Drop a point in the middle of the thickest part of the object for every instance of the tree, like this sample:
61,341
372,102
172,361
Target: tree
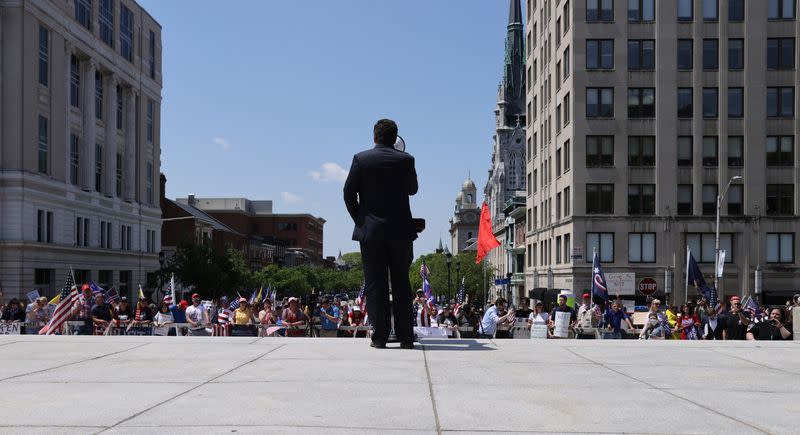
437,265
353,259
213,274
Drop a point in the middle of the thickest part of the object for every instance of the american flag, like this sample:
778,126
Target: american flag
426,286
112,295
170,292
460,297
362,298
235,302
752,306
63,311
599,285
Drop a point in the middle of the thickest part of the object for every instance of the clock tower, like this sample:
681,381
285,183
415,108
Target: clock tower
464,224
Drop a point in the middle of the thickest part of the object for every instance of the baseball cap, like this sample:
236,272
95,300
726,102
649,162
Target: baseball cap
123,299
85,287
196,296
242,300
184,304
292,299
586,295
735,299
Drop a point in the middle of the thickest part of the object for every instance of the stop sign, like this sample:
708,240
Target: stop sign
647,286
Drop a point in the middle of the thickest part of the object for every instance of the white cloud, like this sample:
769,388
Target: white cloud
223,143
330,172
291,198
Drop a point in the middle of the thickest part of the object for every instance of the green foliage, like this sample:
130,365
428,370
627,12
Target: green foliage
213,274
437,264
353,259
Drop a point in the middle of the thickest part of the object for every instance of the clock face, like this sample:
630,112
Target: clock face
470,218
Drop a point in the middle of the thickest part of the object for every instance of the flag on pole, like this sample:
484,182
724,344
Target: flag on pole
67,300
96,289
599,285
141,293
695,277
362,298
258,298
112,295
169,293
235,302
460,298
426,285
486,239
252,299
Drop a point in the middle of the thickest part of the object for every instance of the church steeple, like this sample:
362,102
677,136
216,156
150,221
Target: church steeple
513,88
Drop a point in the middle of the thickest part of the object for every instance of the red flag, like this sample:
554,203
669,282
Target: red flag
486,239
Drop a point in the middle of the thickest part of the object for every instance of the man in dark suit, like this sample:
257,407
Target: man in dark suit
376,195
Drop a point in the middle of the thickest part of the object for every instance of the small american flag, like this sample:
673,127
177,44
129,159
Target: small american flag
362,298
426,285
170,292
63,311
460,297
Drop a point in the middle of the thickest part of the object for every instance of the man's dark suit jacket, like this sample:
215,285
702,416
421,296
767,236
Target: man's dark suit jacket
376,194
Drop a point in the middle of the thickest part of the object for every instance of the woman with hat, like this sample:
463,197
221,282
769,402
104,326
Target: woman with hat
38,311
163,320
294,319
243,319
266,317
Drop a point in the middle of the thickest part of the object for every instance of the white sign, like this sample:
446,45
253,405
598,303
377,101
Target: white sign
33,295
721,263
561,324
9,328
538,331
622,283
577,252
426,332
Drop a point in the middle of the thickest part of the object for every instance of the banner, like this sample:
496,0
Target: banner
425,332
721,263
10,328
32,295
561,324
538,331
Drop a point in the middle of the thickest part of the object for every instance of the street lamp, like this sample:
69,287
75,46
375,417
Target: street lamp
448,259
716,239
458,272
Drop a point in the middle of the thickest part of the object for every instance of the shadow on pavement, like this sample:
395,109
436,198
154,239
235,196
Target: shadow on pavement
455,344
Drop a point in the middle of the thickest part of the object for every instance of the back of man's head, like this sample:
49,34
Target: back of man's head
385,132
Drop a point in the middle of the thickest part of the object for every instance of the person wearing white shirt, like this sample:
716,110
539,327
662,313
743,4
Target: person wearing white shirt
197,317
492,318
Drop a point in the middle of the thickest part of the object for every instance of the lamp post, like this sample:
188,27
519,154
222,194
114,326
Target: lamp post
508,286
449,259
716,239
458,272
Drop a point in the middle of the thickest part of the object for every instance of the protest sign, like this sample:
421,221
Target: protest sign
538,331
561,324
32,295
9,328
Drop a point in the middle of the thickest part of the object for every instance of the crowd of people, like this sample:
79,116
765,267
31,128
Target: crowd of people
326,316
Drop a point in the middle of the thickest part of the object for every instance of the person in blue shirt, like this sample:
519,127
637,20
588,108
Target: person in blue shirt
612,320
329,319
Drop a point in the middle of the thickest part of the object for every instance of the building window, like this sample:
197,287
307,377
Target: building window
42,279
119,175
558,162
642,247
150,183
599,54
780,53
74,82
98,95
566,109
780,151
685,102
599,11
126,32
125,238
98,167
599,151
83,13
710,151
604,243
710,102
567,202
710,199
43,144
566,63
44,56
119,107
558,249
558,205
685,10
106,19
711,54
780,199
780,247
74,158
150,115
151,58
105,235
641,150
685,153
599,102
566,155
735,102
44,226
685,54
710,10
703,247
685,195
641,103
529,253
641,11
735,54
641,199
599,199
781,9
558,119
735,10
565,14
780,102
735,200
567,256
735,150
641,54
82,232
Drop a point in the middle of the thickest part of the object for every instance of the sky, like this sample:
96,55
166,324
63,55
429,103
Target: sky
269,100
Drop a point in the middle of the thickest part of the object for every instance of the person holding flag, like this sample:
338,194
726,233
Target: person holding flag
64,308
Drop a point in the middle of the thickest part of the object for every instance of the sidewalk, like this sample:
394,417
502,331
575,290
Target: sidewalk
273,385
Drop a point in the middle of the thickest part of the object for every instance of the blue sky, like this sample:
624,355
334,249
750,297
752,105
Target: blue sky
270,99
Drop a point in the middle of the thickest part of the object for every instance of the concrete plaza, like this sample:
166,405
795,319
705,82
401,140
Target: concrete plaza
281,385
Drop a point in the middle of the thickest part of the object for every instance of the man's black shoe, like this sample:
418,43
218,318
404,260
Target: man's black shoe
407,345
377,345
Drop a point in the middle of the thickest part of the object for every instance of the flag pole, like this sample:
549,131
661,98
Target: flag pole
686,281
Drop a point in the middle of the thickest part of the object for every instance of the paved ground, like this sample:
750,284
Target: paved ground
272,385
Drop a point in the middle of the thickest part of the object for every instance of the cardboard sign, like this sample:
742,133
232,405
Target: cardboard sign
538,331
32,295
561,324
10,328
